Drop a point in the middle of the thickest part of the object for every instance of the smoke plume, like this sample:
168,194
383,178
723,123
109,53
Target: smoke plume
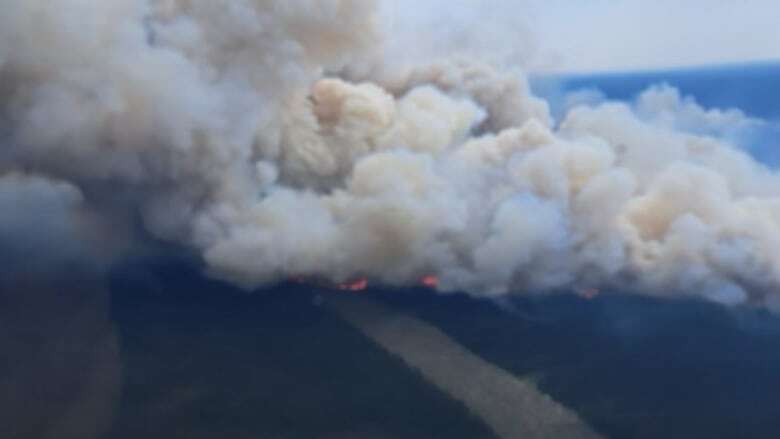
277,139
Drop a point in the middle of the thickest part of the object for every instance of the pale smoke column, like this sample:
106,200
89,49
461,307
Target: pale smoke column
233,128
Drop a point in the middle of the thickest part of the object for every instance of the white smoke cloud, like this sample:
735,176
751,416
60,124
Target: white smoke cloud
664,105
500,32
239,133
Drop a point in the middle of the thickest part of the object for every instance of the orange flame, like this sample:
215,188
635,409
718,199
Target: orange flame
355,287
430,281
588,293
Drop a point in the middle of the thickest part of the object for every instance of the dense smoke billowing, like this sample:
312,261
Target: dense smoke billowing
276,138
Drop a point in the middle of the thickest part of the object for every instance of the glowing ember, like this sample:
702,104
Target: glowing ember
430,281
355,287
588,293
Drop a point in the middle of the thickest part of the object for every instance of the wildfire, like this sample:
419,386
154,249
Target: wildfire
588,293
430,281
358,285
355,286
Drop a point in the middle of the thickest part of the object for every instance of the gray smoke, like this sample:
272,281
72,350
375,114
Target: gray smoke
278,139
